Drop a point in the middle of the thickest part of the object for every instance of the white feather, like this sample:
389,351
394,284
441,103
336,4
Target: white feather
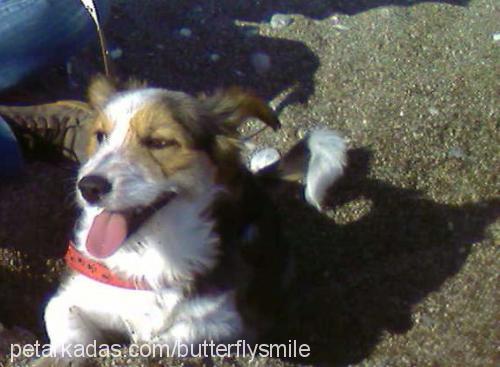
326,164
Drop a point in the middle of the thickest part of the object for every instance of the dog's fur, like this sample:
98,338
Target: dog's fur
209,245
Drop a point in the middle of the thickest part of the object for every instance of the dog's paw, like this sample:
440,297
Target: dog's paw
60,362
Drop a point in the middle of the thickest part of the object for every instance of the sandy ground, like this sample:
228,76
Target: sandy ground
403,269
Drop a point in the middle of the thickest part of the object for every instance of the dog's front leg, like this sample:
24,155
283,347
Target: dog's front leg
70,330
207,319
60,362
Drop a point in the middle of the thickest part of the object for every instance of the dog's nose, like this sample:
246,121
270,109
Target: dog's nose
94,187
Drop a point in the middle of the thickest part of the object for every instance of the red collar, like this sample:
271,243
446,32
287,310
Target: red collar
98,271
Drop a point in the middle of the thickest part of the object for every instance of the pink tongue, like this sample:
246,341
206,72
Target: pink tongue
107,233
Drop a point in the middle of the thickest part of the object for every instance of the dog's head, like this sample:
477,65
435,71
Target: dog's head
151,145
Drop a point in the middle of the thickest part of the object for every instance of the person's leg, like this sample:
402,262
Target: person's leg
10,155
36,33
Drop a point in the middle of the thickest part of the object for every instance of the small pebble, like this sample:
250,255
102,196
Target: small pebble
69,68
281,21
301,133
116,53
263,158
251,32
335,20
340,27
185,32
456,152
428,321
261,62
433,111
214,57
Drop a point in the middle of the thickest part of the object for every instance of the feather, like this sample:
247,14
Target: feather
326,164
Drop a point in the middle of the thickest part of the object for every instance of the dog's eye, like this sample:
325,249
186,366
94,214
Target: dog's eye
158,143
100,136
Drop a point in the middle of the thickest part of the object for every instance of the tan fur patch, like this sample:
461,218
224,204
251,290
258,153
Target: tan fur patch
100,125
155,124
100,90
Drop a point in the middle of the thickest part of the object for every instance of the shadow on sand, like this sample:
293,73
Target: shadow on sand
357,279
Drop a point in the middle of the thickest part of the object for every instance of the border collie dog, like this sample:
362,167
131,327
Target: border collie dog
177,240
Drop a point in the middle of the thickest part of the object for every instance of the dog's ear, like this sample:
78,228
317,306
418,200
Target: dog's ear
234,106
64,125
100,91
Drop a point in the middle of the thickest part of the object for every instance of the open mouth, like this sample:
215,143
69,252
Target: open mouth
110,229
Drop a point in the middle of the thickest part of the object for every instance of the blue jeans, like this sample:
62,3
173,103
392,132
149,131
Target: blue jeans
34,34
10,156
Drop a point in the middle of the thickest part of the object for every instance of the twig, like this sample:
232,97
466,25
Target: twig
91,8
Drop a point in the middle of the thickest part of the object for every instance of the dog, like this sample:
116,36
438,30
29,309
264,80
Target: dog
177,240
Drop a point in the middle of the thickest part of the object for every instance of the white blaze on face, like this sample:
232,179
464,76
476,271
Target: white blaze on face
122,109
108,159
109,228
